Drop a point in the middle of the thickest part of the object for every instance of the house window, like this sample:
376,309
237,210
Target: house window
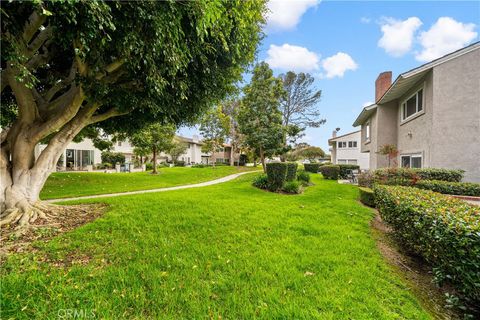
367,131
341,161
352,161
352,144
341,144
411,161
119,143
219,160
413,105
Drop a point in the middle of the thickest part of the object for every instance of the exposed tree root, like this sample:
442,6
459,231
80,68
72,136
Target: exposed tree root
41,222
23,217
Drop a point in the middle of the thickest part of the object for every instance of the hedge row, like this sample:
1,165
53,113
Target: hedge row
367,196
330,172
443,230
445,187
311,167
391,175
291,171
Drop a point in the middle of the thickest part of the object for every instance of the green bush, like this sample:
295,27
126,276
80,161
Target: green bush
199,165
291,171
457,188
367,196
440,174
344,168
366,179
330,172
260,181
294,187
311,167
445,231
277,174
303,177
113,157
406,176
179,163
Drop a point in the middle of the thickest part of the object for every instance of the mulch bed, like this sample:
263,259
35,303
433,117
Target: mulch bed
68,218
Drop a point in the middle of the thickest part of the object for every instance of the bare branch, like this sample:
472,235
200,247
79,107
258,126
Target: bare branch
61,84
32,25
112,67
39,40
113,112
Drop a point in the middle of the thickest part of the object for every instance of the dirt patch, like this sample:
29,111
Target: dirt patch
413,270
68,218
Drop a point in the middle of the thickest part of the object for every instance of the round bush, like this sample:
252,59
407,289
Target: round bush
293,187
303,177
260,181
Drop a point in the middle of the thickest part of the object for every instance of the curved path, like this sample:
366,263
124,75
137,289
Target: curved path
185,186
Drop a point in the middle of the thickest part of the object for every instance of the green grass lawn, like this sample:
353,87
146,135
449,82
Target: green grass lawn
227,250
75,184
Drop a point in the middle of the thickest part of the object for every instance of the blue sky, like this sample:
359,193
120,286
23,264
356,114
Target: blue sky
346,44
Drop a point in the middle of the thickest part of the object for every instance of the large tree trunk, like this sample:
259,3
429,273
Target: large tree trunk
23,176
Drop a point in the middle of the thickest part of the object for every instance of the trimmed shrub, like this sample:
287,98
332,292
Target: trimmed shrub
366,179
149,166
113,157
344,169
395,176
367,196
457,188
291,171
440,174
303,177
260,181
293,187
330,172
311,167
276,174
199,165
445,231
179,163
406,176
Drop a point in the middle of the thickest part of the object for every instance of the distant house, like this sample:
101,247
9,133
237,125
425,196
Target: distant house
345,149
430,113
83,155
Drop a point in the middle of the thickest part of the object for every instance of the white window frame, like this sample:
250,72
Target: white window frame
353,143
417,112
412,155
341,143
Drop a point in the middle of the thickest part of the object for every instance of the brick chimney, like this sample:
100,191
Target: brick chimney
383,82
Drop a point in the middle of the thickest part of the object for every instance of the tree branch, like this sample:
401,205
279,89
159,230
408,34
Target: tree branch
113,112
112,67
32,25
37,43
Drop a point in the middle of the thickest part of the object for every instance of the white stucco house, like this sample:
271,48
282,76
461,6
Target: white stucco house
345,149
83,155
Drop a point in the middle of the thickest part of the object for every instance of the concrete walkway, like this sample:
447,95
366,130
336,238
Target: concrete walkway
186,186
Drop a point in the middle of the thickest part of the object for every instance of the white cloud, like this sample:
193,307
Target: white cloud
446,35
365,20
295,58
398,35
338,64
286,14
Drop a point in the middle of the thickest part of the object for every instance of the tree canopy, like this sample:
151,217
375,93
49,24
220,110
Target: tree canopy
114,65
214,127
260,119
